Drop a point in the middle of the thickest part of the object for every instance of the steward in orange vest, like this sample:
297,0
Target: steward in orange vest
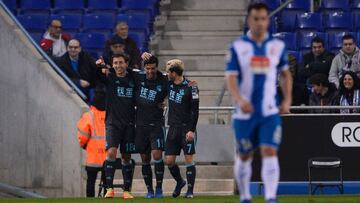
91,135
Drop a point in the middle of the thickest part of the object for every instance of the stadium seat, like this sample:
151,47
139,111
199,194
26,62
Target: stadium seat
287,20
330,6
272,4
11,5
69,7
356,18
70,23
36,36
35,7
338,21
101,6
297,55
335,40
122,17
355,6
93,41
289,38
34,23
139,22
303,5
309,21
144,5
139,38
304,39
98,23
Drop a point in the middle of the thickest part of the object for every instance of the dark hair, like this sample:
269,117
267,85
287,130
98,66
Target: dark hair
152,60
125,57
257,6
354,77
348,36
319,79
177,69
317,40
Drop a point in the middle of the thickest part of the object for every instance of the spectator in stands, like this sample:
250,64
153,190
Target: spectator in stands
349,93
54,41
122,30
78,66
117,46
347,60
91,136
317,61
324,93
300,92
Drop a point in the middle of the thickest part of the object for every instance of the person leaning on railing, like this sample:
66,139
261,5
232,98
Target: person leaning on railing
349,93
323,93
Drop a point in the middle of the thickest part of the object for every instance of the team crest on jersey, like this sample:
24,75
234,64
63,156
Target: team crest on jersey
260,64
182,92
158,88
142,84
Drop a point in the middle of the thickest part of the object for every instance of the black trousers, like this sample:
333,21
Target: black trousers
91,179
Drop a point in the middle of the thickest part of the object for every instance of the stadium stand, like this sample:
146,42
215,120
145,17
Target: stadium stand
35,7
68,7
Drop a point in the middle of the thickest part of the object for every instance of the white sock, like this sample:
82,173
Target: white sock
242,172
270,174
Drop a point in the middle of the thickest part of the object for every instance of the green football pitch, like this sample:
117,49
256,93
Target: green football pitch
203,199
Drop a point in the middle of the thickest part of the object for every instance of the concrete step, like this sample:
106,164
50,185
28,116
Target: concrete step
208,5
202,186
209,117
179,13
198,63
202,172
202,34
202,43
209,83
204,25
209,18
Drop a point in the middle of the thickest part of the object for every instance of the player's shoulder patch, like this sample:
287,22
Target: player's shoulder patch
195,92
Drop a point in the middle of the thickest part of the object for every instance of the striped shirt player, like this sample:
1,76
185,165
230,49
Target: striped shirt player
254,63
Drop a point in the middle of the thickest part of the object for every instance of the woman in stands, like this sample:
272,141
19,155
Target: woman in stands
349,93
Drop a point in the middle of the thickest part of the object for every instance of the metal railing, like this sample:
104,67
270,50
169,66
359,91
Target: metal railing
43,54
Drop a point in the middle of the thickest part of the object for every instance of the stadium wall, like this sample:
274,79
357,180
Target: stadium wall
39,111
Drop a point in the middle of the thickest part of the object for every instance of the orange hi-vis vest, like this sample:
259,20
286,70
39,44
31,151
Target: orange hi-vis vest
91,134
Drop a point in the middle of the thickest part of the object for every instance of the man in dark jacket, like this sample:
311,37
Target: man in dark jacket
78,66
324,93
317,61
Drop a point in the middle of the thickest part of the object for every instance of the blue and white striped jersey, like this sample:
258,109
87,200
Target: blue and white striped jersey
257,66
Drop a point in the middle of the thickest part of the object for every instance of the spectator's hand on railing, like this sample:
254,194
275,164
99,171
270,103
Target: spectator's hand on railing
84,83
145,56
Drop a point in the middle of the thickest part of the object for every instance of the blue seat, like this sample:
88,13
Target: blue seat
356,18
98,23
122,17
287,20
36,36
297,55
35,7
303,5
139,38
330,6
139,22
34,23
304,39
272,4
70,23
309,21
11,5
355,6
93,41
69,7
338,21
289,38
335,40
144,5
101,6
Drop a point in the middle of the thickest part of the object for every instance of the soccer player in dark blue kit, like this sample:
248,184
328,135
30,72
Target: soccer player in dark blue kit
182,120
151,91
120,121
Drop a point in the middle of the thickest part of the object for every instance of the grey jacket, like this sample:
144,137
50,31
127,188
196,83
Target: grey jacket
342,63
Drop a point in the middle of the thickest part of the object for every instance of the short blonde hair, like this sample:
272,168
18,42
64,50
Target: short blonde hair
174,62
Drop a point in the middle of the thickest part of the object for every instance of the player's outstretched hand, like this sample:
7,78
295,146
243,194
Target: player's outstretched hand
246,106
100,62
84,83
189,136
146,56
285,107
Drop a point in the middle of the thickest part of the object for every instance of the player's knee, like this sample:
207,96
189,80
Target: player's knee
268,151
126,158
145,158
189,159
169,162
111,153
157,154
